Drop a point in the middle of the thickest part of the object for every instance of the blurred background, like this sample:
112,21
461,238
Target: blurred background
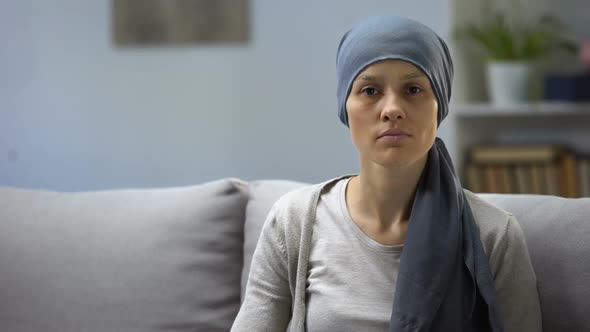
86,104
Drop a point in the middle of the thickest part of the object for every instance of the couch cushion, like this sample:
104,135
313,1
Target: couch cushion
125,260
262,195
557,232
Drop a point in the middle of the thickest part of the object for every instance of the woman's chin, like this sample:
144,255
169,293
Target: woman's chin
396,159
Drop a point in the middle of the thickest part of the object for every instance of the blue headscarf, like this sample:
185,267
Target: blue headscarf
398,38
444,280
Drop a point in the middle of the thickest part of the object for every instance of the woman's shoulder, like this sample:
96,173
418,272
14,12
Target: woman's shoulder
297,206
291,216
493,222
485,210
303,198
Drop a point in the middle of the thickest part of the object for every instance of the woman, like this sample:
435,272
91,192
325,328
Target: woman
401,246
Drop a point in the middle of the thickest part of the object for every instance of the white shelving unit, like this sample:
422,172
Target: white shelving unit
519,110
567,124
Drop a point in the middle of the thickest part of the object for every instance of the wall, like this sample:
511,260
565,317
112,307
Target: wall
78,114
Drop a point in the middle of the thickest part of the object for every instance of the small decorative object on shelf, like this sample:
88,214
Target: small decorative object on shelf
573,86
512,46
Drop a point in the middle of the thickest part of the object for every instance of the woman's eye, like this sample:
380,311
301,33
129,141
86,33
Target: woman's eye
369,91
414,90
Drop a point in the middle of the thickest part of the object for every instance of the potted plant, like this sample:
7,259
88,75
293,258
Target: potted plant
512,48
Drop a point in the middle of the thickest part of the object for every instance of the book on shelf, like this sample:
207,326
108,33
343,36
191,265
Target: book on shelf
501,154
569,176
552,179
537,183
527,169
523,182
584,176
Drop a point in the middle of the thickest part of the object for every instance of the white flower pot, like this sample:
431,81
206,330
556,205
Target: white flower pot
509,82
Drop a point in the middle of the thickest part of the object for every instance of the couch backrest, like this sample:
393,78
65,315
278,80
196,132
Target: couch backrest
178,258
557,231
124,260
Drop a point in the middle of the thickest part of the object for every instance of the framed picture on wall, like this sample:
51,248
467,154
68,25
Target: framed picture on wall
179,22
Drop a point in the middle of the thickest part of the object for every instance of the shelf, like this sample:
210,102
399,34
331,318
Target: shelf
544,109
556,123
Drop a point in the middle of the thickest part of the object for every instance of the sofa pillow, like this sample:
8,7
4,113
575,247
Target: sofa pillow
262,195
122,260
557,231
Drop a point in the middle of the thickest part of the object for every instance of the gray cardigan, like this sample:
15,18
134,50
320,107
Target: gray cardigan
275,294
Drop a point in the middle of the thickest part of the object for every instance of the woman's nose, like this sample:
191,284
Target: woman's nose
393,108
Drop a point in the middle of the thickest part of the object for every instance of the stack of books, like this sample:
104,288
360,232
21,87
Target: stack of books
535,169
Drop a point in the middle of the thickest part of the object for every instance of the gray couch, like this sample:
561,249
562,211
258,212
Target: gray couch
175,259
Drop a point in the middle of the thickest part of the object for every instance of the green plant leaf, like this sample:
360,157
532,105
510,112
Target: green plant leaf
505,41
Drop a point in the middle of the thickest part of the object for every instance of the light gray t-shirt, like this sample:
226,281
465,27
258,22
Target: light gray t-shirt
351,278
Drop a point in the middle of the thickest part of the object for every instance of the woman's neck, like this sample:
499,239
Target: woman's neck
384,195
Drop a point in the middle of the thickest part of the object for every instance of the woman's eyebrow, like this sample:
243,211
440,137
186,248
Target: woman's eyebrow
371,78
412,75
368,78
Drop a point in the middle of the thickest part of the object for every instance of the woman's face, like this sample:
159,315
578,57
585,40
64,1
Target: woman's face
392,113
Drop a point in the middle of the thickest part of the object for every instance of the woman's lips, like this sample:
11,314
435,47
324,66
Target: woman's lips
393,136
394,139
